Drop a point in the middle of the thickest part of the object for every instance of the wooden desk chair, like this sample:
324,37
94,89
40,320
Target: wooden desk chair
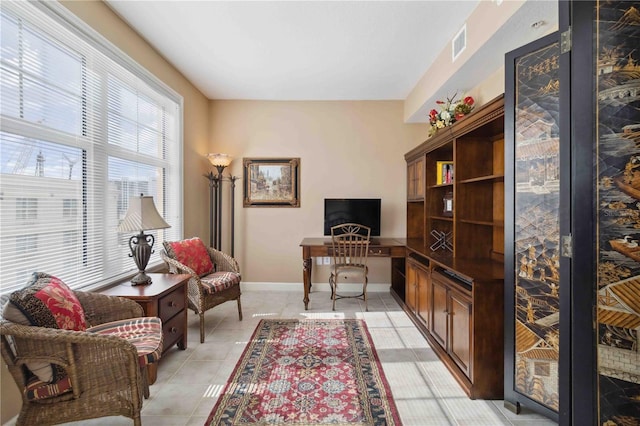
350,247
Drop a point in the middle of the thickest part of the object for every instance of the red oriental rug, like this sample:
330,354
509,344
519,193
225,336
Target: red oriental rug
307,372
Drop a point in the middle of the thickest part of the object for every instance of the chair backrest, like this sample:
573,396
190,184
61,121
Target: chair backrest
192,253
350,244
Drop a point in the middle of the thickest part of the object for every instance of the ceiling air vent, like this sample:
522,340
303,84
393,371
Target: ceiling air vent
459,43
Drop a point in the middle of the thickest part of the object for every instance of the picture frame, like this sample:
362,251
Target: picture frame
271,182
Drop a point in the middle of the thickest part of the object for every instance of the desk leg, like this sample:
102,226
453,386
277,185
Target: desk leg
306,276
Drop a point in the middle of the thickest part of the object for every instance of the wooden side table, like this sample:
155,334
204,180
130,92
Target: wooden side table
166,298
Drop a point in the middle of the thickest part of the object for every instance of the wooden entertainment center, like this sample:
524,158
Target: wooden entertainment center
454,283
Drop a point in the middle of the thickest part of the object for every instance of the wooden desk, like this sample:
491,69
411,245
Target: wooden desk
379,247
166,298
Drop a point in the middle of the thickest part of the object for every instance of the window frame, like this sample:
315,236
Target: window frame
97,182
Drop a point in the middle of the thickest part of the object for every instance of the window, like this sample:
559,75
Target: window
69,208
26,244
26,208
82,129
70,240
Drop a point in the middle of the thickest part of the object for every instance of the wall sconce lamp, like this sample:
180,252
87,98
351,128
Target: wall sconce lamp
220,162
141,215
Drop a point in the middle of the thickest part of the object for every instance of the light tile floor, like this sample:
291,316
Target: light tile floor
425,393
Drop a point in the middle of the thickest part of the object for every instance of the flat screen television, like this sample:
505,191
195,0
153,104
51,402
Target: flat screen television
365,211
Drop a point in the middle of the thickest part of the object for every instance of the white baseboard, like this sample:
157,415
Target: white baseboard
261,286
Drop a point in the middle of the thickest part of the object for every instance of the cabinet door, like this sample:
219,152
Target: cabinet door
460,331
440,313
424,296
415,179
410,286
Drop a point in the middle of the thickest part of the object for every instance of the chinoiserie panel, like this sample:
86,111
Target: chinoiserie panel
617,44
536,242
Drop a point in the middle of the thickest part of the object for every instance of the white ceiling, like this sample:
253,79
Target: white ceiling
310,50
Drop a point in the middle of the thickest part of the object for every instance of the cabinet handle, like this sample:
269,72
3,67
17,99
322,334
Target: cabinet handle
173,330
172,304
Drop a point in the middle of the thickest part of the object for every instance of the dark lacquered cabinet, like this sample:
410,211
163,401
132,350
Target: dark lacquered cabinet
572,218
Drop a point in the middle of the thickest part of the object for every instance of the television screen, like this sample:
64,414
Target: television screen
365,211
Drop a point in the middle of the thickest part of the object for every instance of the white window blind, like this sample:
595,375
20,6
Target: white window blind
82,129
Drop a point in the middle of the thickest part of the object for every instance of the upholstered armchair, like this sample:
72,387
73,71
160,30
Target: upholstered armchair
69,374
215,276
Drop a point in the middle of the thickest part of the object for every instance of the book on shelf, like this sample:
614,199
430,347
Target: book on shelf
444,172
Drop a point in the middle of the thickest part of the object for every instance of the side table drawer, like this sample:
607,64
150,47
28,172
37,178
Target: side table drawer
171,304
172,331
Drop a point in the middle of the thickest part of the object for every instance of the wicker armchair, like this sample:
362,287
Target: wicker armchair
104,370
210,288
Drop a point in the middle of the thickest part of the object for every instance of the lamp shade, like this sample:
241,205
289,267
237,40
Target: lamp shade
142,215
218,160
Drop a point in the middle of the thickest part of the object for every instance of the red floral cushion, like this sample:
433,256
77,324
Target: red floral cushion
191,253
46,301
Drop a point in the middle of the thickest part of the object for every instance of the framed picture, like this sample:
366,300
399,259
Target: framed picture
271,182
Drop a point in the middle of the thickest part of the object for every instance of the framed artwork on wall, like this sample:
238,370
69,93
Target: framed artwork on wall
271,182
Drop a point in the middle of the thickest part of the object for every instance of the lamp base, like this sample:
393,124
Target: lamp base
141,246
141,278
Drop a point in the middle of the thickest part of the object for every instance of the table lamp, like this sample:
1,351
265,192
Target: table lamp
141,216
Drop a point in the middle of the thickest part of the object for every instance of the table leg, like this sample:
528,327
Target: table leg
306,276
182,343
152,372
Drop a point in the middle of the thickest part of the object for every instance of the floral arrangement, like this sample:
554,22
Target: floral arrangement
450,112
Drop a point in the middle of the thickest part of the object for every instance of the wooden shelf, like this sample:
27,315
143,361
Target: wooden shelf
444,218
442,185
466,282
479,222
483,178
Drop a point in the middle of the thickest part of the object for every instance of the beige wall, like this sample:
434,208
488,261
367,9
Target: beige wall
481,25
346,149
